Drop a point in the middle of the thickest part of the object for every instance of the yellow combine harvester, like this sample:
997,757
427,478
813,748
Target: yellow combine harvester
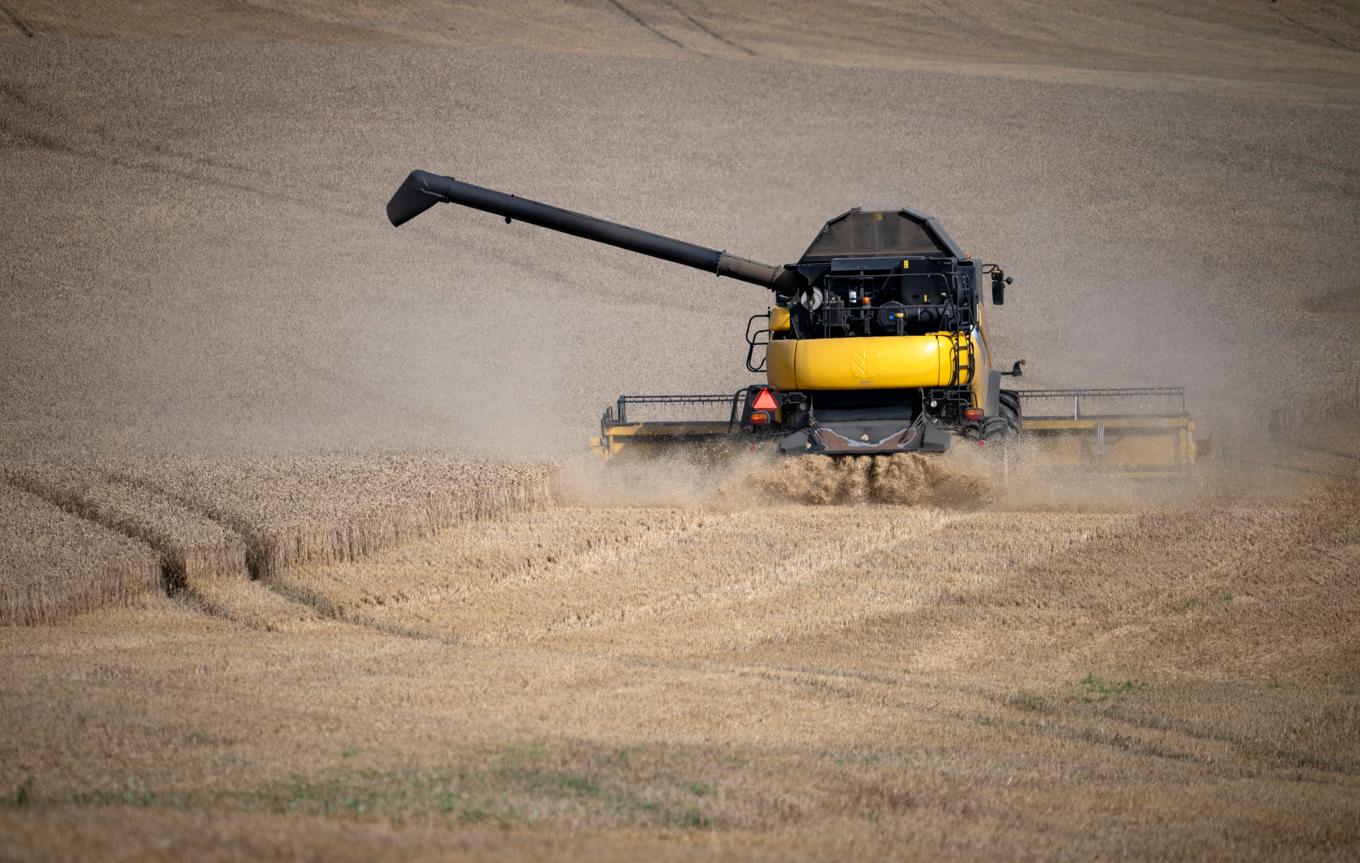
875,343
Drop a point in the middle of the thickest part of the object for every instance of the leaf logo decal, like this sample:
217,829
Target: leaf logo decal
864,363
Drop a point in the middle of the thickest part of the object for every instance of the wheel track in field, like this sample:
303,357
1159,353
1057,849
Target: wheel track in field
41,127
805,567
82,503
641,22
44,127
715,34
1069,718
19,23
1317,31
693,31
192,575
549,564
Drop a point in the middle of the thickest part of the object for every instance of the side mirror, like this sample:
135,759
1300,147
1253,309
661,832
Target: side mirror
999,283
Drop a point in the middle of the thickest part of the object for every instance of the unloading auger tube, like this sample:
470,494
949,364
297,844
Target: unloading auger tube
422,190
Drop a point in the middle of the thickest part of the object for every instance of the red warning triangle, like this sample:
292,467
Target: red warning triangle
765,402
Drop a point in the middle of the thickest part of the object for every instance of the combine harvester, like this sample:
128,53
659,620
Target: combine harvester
875,344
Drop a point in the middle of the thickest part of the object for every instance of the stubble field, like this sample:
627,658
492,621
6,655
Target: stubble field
1154,668
299,556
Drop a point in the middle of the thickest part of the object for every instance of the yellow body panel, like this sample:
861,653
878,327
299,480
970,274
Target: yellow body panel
779,320
869,362
983,355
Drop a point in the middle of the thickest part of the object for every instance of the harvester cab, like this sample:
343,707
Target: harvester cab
874,342
882,348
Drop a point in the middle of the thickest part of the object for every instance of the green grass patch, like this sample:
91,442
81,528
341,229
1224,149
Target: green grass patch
22,796
699,789
132,793
694,820
1096,689
576,784
856,757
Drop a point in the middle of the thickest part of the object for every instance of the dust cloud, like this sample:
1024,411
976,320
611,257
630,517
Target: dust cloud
950,480
726,479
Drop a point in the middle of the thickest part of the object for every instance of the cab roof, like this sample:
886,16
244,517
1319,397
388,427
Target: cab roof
875,233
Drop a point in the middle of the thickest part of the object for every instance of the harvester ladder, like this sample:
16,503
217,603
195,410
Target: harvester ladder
757,339
961,313
959,366
963,306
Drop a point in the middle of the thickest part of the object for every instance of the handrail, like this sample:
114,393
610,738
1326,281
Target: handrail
1079,395
617,414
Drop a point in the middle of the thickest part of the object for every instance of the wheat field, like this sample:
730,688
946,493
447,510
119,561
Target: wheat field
56,564
215,523
301,555
721,674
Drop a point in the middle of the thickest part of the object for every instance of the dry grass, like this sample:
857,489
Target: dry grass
54,564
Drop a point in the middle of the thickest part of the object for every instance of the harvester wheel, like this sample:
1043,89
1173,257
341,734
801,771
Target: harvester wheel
998,430
1004,427
1010,405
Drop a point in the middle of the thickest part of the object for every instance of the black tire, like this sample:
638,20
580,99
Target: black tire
998,430
1005,426
1010,404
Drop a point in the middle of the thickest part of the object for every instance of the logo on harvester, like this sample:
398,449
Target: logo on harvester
864,364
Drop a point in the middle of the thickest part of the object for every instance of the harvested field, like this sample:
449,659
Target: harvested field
740,681
300,555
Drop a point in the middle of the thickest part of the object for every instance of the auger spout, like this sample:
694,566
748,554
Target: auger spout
422,190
